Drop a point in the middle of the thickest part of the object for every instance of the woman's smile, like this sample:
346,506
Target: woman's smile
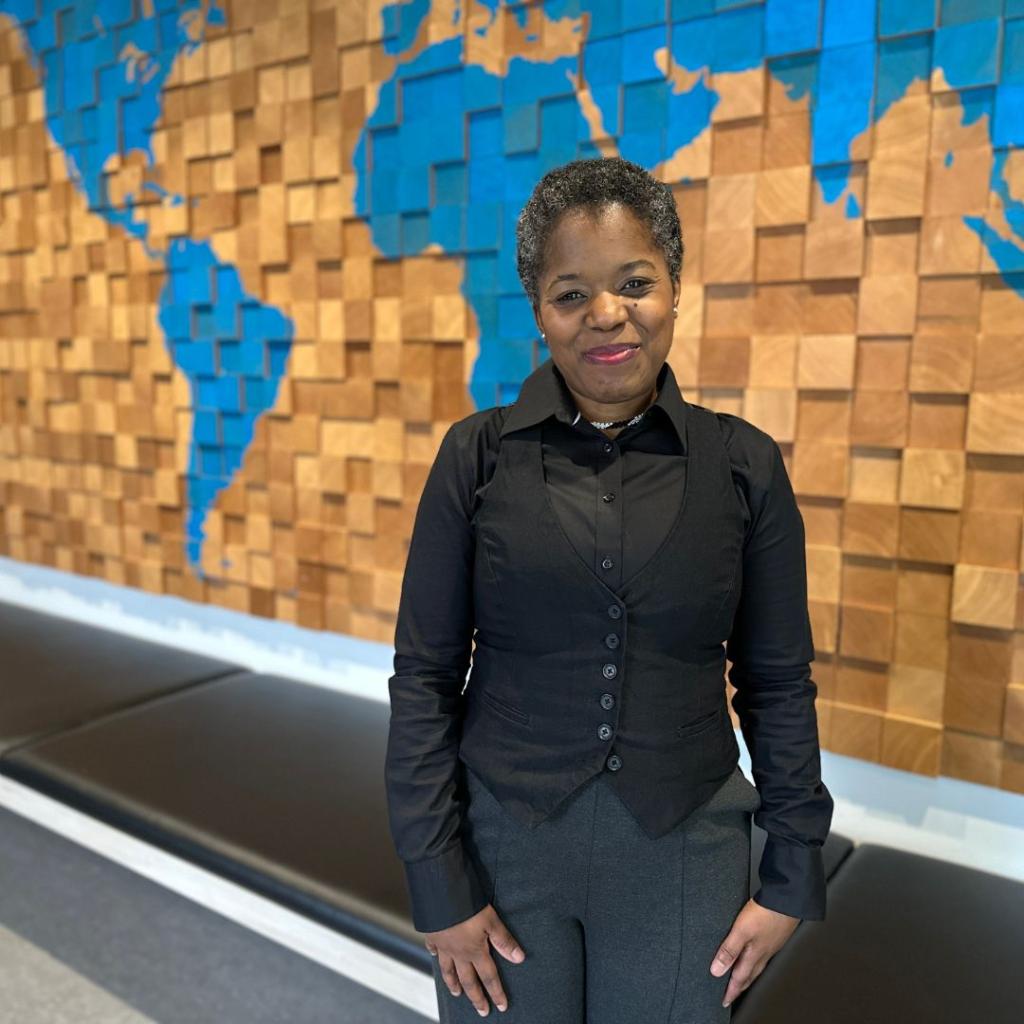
611,355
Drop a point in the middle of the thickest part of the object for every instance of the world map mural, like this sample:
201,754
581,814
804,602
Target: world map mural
457,167
285,261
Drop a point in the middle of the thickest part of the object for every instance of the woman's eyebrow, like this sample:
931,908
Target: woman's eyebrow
625,266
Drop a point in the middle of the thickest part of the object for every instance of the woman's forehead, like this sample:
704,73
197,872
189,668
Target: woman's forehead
609,243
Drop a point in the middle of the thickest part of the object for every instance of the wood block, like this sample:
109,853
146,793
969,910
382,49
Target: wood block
892,247
999,363
860,682
929,535
918,692
948,305
731,201
834,249
984,596
866,633
824,416
773,361
888,304
948,246
826,361
896,187
736,146
932,478
820,468
995,422
922,642
856,732
783,196
780,254
970,757
879,418
869,582
741,94
871,530
911,746
771,409
976,680
937,421
787,140
942,364
1013,724
723,363
728,311
824,566
882,364
779,307
991,538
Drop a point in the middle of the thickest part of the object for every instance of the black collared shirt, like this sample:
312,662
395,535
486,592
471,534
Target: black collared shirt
622,507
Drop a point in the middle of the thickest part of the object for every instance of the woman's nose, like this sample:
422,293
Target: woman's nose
607,310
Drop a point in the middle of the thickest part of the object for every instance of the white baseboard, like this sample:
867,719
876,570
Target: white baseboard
336,952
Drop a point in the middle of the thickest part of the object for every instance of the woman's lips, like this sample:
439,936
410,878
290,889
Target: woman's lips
611,354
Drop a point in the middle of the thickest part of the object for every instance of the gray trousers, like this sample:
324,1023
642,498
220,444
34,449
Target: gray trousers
617,928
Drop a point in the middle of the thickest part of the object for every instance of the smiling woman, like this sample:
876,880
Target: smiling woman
607,320
597,549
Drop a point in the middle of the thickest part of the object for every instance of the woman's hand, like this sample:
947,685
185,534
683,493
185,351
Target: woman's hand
465,958
756,936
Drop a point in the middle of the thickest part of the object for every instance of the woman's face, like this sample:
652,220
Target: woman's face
606,283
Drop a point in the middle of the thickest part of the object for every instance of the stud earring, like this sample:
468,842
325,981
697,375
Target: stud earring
675,311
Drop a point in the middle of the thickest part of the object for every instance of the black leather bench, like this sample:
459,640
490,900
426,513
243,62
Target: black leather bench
273,783
56,672
278,785
907,938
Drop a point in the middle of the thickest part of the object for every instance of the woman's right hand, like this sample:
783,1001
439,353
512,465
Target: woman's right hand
464,956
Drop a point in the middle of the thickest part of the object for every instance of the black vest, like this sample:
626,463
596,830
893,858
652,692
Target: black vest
571,678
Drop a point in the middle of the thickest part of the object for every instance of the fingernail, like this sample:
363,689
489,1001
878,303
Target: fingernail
502,1006
518,956
483,1013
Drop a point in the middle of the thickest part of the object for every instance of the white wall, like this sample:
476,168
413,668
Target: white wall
958,821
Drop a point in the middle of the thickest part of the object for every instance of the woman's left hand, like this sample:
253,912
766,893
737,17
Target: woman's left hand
756,936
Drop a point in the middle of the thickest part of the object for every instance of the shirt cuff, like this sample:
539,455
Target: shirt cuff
444,890
792,879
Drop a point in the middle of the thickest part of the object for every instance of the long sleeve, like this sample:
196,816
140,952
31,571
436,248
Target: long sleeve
433,638
770,649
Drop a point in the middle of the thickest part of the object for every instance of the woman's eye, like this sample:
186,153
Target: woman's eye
637,280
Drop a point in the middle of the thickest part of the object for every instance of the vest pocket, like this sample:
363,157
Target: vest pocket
699,724
506,710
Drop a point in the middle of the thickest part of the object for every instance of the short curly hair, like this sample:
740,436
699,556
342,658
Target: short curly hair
592,185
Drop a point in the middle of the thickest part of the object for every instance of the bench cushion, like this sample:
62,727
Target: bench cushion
273,783
58,672
906,938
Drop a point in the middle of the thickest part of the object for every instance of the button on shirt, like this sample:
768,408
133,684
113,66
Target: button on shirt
615,499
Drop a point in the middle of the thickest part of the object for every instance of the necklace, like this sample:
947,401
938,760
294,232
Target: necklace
606,424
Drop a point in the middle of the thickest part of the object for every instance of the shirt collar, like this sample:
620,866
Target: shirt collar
544,393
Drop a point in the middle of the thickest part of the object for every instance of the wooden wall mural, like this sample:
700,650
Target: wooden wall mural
257,255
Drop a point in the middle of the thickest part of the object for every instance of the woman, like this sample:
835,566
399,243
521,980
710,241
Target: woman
602,545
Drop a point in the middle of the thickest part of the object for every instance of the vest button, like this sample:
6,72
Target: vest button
607,700
614,763
610,496
608,446
606,563
611,640
614,611
609,671
604,730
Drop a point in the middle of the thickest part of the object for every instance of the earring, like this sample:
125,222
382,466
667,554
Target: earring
675,311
